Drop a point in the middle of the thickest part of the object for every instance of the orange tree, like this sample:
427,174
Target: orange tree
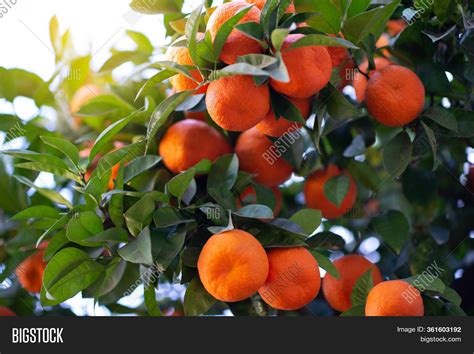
236,164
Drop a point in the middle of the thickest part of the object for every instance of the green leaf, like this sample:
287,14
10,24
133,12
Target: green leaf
239,69
68,149
356,7
283,107
393,227
397,154
140,165
260,61
18,82
44,167
157,7
443,117
326,239
150,300
48,193
222,178
84,225
169,244
139,250
163,111
227,27
37,157
108,134
252,30
370,22
179,183
355,311
452,296
322,40
115,234
139,215
325,263
55,244
336,189
67,273
40,211
153,81
278,37
143,43
308,219
167,216
191,30
110,278
423,283
327,17
361,289
197,300
119,58
255,211
106,105
122,156
338,106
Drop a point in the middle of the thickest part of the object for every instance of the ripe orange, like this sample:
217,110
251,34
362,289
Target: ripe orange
394,298
261,3
338,291
394,27
316,199
337,55
196,115
235,103
237,43
276,128
293,279
309,69
360,81
188,142
232,265
6,312
257,155
180,55
249,196
30,272
395,96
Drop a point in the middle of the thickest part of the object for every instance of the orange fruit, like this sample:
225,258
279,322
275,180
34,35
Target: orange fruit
394,298
338,291
30,272
360,81
293,279
237,43
181,56
316,199
257,155
276,128
236,103
394,27
232,265
261,3
188,142
249,196
309,69
338,55
6,312
395,96
196,115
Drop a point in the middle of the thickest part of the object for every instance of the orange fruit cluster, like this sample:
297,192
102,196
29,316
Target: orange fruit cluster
233,266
